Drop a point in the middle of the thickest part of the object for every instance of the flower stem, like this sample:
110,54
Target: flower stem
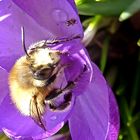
104,54
127,120
136,87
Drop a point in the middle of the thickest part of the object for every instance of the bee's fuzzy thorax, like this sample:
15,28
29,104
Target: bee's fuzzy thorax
21,73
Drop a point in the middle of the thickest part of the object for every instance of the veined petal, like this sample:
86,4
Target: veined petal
58,16
44,135
7,62
12,119
11,20
72,2
14,124
60,137
114,120
3,84
91,118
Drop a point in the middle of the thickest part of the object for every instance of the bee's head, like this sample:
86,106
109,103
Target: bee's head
42,62
41,59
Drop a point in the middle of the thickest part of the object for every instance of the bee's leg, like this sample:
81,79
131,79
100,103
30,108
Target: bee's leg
67,101
71,84
63,105
56,92
56,73
36,113
66,92
67,95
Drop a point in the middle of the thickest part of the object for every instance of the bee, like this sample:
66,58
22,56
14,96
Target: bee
33,80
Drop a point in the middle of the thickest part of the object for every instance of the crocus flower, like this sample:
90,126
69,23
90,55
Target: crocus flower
93,112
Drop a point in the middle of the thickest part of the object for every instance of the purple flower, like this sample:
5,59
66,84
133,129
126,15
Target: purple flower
93,112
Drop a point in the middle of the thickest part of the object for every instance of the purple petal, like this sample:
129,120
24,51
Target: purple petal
44,135
114,124
3,85
90,118
15,125
78,58
72,2
13,122
60,137
12,18
56,16
10,29
7,62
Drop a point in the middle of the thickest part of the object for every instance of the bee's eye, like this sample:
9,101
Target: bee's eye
46,71
51,66
43,74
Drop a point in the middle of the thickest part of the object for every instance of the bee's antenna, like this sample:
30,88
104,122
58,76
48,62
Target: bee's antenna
23,40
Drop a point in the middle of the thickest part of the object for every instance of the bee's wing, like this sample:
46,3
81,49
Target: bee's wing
36,114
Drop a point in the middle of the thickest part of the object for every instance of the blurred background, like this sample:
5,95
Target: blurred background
112,38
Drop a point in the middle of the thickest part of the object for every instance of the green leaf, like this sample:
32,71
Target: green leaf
112,75
127,120
138,43
136,87
132,9
104,54
136,121
106,7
